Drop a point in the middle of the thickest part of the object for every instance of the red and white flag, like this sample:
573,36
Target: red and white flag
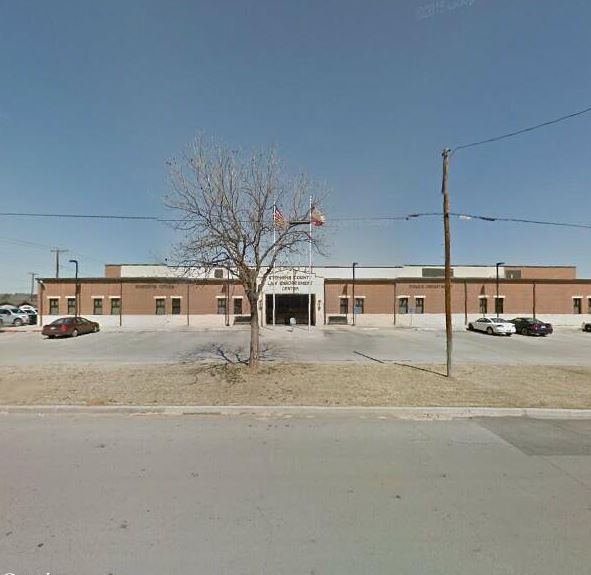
317,218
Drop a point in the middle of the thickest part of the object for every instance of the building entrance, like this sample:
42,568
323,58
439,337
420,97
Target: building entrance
289,305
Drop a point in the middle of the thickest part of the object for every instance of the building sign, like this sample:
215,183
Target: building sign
293,281
155,286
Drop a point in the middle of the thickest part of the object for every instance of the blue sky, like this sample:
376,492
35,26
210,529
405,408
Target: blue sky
96,96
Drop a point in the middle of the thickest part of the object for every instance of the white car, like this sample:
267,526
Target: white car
492,325
13,316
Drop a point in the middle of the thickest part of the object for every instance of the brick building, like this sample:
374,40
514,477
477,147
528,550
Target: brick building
156,295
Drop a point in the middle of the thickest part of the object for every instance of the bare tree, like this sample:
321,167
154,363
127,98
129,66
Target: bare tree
226,213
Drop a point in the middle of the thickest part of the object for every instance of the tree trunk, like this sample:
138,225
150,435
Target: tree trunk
253,356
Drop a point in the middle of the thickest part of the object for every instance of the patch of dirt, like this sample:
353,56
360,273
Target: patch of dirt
334,384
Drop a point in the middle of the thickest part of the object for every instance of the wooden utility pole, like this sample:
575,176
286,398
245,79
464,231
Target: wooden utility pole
448,322
33,275
57,253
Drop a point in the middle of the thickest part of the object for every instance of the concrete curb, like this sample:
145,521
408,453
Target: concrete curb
408,413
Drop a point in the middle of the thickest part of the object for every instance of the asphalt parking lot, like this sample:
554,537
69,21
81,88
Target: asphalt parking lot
566,346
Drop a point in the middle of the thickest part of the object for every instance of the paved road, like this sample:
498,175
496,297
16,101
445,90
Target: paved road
567,347
302,495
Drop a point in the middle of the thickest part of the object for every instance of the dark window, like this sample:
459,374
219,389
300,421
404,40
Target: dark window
160,305
97,306
71,306
238,306
115,306
402,305
499,305
54,306
359,305
218,274
420,305
483,306
589,305
344,307
221,306
577,305
513,274
435,272
176,305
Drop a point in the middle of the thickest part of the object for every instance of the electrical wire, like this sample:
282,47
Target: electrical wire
81,216
401,217
522,131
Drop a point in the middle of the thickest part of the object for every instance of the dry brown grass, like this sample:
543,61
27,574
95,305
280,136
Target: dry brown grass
335,384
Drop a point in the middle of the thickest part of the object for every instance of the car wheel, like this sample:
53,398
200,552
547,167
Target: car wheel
524,331
17,322
75,333
489,330
50,336
470,327
95,329
588,327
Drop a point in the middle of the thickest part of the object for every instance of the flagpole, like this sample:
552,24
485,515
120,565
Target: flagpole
310,278
275,248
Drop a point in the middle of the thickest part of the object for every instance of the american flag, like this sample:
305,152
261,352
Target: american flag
279,219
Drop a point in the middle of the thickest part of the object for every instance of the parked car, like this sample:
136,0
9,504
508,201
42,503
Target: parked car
586,326
531,326
492,326
13,316
28,308
69,326
31,312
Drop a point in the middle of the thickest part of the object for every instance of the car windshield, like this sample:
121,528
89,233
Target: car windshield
62,320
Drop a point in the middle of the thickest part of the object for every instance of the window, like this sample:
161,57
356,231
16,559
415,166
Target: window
435,272
218,274
115,306
97,306
54,306
160,305
402,305
359,305
71,306
176,305
499,305
483,306
577,305
420,305
221,306
344,305
589,305
513,274
237,306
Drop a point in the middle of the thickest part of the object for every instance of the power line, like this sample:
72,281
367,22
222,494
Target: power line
519,220
400,217
80,216
522,131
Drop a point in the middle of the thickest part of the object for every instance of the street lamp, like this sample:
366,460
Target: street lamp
497,300
75,262
353,290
